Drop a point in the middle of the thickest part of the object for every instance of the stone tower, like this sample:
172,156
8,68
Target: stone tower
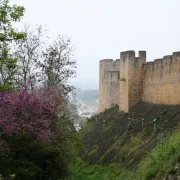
108,83
131,79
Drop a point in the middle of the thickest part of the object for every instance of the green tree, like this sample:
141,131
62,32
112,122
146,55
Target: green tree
59,65
8,35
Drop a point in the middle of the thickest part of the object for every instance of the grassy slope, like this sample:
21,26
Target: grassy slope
84,171
163,161
127,146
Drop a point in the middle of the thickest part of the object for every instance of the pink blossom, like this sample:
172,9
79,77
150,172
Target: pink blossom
35,112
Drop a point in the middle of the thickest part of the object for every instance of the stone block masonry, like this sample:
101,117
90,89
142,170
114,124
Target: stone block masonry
130,79
108,83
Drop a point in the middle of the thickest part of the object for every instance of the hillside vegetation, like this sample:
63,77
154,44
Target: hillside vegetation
131,148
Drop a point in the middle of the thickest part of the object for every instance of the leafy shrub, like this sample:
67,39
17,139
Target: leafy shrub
34,160
34,134
123,79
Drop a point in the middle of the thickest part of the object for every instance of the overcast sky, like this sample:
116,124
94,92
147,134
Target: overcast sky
103,28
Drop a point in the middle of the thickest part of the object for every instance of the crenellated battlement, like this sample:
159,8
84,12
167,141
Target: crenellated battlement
166,62
176,54
158,62
104,61
131,79
131,54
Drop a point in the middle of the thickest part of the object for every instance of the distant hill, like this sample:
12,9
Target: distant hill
87,95
88,100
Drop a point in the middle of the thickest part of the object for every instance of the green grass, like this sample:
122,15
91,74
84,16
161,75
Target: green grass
163,157
84,171
162,160
94,150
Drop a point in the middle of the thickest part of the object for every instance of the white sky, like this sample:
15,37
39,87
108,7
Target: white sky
103,28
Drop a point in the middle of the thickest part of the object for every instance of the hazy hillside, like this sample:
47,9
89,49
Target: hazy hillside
87,95
88,101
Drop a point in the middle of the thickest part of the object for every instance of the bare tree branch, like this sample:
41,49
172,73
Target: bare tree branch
28,52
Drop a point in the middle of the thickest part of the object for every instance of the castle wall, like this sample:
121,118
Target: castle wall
130,80
162,80
108,84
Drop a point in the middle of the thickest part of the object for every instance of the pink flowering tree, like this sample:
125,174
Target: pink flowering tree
33,112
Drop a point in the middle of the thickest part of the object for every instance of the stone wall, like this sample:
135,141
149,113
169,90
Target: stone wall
124,90
109,83
162,80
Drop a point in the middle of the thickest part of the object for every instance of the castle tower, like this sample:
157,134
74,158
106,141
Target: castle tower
131,79
108,83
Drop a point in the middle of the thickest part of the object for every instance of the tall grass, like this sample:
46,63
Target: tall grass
84,171
162,158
